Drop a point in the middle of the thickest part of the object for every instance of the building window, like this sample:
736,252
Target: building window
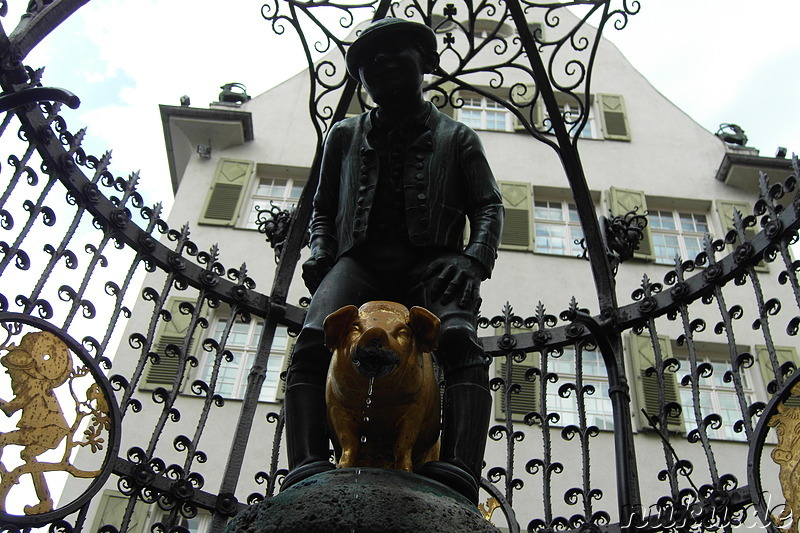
715,396
481,113
571,114
558,229
242,343
283,192
676,233
597,404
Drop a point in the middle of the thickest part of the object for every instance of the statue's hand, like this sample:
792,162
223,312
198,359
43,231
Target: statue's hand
455,277
315,269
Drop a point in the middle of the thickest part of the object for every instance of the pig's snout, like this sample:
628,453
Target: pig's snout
373,358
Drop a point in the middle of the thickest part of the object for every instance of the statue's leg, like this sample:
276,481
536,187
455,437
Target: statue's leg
467,400
307,443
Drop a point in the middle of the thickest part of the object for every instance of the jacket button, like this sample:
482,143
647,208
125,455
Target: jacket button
419,175
420,156
421,196
419,165
360,201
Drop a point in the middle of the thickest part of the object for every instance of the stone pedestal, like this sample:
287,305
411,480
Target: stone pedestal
363,500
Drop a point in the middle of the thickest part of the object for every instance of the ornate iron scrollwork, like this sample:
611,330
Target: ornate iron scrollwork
623,233
62,407
274,222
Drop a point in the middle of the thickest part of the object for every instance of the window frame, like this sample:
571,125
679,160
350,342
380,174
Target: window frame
714,354
530,390
484,107
598,381
678,231
243,357
565,107
249,215
572,249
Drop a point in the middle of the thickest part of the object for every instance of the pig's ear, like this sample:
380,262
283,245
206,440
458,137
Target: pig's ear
337,323
425,326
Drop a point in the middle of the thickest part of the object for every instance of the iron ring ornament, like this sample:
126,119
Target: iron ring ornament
40,361
786,421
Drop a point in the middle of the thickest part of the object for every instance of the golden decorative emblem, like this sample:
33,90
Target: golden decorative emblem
787,455
39,365
488,509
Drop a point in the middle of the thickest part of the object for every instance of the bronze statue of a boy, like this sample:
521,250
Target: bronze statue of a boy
396,186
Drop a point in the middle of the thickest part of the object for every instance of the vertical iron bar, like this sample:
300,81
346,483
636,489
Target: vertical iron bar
583,433
688,330
727,320
19,165
568,153
547,446
35,211
628,486
627,482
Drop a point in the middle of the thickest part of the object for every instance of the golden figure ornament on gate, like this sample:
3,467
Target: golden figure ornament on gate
787,455
37,366
381,393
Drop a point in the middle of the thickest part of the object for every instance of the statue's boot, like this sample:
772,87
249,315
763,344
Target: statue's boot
306,434
467,410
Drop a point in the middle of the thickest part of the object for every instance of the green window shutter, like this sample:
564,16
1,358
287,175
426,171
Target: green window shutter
621,201
784,354
112,510
281,392
642,358
163,373
227,192
613,117
518,223
531,112
725,214
527,399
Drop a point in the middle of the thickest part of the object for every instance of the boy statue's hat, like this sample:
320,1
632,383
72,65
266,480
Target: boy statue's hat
388,28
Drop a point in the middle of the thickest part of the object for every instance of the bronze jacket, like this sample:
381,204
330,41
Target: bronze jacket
445,178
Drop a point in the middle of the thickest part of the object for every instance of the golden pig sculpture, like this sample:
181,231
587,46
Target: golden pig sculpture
381,393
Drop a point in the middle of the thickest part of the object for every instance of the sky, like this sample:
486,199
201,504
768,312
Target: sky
718,60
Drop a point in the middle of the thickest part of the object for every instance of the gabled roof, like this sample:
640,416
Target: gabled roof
186,127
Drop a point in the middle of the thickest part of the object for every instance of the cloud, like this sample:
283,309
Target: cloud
712,59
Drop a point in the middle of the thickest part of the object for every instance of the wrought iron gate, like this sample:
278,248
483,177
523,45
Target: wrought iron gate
73,237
